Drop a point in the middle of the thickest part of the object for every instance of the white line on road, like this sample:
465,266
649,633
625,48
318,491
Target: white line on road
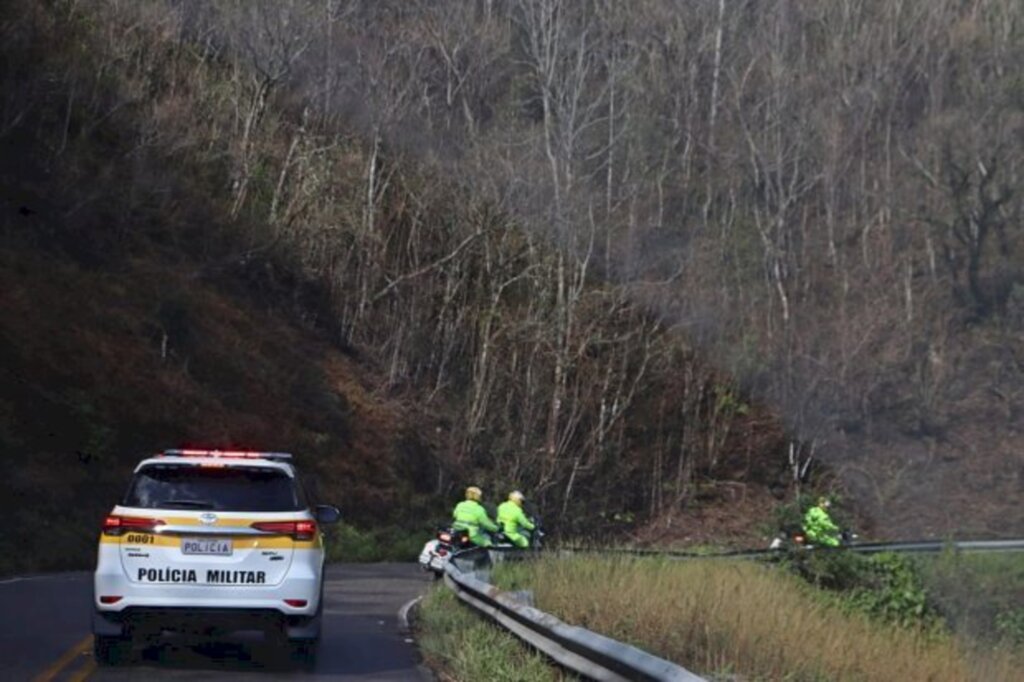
21,579
403,613
25,578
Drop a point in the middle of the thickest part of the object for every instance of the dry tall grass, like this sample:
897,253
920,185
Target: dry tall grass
747,619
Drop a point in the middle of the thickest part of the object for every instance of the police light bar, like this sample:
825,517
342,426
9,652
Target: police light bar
227,454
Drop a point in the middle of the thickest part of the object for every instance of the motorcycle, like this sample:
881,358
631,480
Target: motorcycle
795,538
534,538
436,552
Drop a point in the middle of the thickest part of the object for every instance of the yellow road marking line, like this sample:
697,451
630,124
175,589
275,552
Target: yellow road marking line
84,672
65,658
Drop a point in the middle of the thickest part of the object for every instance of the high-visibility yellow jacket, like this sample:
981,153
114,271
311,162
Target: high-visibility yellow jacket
820,528
470,515
511,518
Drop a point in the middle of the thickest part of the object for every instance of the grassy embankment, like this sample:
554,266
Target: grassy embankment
748,620
460,645
981,595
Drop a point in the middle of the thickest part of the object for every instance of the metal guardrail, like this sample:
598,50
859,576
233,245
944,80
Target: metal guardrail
931,546
911,546
583,651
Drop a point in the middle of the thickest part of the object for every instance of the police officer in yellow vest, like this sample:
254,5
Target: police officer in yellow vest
819,527
470,515
511,518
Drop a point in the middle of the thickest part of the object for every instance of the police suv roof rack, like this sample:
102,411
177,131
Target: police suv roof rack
226,454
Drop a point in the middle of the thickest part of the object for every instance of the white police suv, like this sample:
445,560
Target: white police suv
210,542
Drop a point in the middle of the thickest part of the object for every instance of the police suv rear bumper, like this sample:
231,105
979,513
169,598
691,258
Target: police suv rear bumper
149,622
151,609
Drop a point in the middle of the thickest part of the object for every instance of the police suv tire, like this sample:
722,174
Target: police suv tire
111,651
303,652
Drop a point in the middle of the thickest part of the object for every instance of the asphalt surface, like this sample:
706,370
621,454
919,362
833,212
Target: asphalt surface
45,634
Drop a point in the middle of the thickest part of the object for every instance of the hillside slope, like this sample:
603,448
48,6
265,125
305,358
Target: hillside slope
194,252
134,316
375,237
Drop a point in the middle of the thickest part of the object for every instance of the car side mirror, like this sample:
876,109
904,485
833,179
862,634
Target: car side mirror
326,514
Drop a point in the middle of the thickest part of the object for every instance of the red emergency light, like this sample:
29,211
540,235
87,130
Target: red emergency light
226,454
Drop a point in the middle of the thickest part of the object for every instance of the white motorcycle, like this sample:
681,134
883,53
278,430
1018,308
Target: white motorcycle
796,538
437,552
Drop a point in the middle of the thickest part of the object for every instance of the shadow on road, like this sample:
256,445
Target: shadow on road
250,656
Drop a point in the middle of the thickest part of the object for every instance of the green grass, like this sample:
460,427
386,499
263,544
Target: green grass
981,595
747,619
461,645
389,543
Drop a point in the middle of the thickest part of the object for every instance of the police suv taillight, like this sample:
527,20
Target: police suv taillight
119,525
299,530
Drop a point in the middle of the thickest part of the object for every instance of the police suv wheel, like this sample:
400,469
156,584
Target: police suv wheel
303,652
110,651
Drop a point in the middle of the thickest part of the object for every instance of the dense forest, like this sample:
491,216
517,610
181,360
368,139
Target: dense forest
627,256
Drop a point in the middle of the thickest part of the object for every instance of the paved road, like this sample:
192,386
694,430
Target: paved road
44,634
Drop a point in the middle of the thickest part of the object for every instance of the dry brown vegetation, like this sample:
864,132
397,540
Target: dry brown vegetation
537,372
532,222
131,320
822,195
750,620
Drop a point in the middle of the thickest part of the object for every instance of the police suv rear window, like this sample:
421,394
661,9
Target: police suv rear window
236,488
